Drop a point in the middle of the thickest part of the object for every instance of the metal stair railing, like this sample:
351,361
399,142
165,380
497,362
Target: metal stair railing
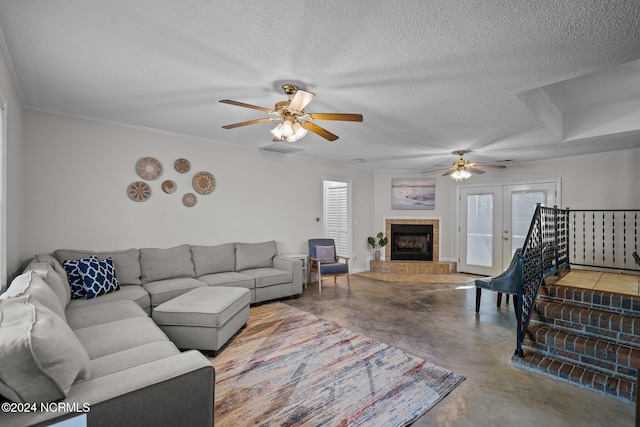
545,252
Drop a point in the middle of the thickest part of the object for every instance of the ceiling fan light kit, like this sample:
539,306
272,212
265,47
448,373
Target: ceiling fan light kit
462,169
295,122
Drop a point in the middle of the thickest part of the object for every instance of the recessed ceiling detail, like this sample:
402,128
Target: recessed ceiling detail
602,103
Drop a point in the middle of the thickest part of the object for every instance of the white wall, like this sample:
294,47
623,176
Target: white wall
78,172
15,169
597,181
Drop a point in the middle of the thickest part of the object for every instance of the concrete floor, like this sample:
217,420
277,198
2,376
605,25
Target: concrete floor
438,323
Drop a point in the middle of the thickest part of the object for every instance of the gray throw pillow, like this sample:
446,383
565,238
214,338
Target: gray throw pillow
255,255
214,259
31,283
40,356
53,279
160,264
326,253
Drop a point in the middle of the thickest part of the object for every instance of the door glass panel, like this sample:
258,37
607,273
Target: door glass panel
480,229
523,205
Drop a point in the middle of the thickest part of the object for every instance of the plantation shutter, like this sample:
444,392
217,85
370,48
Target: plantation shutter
337,225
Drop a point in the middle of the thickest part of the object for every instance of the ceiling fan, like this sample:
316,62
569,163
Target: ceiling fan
462,169
295,122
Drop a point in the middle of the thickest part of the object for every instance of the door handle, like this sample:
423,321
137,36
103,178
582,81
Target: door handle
505,238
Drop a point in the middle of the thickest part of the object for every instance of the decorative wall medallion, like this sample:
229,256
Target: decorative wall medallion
169,186
203,182
182,165
148,168
189,200
139,191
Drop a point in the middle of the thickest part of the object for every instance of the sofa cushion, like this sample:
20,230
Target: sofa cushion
127,292
59,269
31,283
214,259
160,264
97,314
126,263
269,276
255,255
113,337
163,290
99,278
54,280
40,356
73,268
131,357
229,279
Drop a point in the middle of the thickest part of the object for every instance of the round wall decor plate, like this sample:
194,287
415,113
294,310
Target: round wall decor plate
182,165
189,200
203,182
139,191
169,186
148,168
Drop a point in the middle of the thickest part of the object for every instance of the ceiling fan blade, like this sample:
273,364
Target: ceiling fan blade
250,122
449,172
488,166
336,116
318,130
437,170
242,104
474,170
301,99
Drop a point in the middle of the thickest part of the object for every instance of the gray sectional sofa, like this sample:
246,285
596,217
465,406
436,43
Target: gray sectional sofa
105,358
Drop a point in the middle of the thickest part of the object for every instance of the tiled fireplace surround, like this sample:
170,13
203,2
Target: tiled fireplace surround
414,267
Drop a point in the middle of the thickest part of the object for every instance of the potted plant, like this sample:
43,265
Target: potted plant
376,243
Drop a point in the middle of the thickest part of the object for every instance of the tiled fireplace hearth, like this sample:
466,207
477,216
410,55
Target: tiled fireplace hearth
429,246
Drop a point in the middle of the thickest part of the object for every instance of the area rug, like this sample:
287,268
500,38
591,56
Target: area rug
289,367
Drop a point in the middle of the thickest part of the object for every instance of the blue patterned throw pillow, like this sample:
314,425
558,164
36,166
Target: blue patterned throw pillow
99,278
73,269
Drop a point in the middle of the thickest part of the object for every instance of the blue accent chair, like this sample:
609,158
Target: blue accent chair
336,266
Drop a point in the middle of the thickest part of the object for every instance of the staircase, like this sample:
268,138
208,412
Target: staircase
590,338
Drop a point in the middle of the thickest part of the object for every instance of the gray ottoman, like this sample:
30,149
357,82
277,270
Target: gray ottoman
204,318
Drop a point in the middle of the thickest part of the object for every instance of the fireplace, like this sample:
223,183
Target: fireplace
412,242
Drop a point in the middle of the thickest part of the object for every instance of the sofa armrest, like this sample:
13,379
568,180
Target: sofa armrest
290,264
177,390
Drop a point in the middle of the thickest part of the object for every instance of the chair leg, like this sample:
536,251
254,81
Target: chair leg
507,299
499,299
319,282
478,295
348,283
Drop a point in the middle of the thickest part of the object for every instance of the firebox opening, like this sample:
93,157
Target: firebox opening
411,242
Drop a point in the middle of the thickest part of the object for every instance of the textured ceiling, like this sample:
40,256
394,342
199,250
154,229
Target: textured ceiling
512,80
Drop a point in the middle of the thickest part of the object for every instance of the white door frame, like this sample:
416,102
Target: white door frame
349,184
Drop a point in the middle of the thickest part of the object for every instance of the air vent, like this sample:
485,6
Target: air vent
281,148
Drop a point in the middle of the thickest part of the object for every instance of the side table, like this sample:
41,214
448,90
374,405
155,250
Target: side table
305,265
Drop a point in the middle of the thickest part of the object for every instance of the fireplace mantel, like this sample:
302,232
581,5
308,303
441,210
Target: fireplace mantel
436,234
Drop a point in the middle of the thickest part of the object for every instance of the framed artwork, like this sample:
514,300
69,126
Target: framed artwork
413,193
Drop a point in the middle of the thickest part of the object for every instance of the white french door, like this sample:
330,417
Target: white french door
494,222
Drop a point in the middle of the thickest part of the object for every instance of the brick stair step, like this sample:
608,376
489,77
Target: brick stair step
623,328
626,304
601,353
584,376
